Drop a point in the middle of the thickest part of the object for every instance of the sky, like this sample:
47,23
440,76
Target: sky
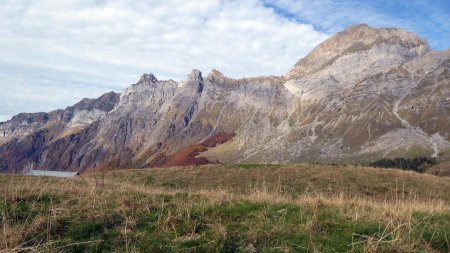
54,53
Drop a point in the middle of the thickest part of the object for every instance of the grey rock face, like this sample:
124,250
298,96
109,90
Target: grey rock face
363,94
21,125
80,115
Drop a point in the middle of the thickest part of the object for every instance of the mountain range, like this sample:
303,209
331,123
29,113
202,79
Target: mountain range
363,94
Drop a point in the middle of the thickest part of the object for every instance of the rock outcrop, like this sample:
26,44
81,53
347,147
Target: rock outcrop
363,94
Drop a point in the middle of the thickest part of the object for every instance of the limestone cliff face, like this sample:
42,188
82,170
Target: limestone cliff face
367,82
71,119
360,47
363,94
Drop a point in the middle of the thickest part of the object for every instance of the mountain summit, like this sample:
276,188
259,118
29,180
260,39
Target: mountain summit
363,94
362,40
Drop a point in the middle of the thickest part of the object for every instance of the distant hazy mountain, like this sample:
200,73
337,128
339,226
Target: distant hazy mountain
363,94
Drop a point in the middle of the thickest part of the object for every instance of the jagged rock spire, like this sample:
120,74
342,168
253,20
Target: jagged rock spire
195,78
148,77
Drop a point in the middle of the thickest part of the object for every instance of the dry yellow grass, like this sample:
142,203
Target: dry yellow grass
196,209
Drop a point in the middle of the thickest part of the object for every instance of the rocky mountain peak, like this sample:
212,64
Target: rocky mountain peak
105,102
148,78
195,75
216,72
195,79
360,39
362,33
217,77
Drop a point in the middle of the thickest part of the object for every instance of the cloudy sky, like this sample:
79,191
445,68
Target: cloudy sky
54,53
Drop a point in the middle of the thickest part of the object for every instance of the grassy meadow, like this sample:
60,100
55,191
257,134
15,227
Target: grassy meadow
228,208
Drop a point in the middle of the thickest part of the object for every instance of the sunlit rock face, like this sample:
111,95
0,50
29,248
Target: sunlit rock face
365,93
366,82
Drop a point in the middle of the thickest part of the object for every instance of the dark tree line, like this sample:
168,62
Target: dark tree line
418,164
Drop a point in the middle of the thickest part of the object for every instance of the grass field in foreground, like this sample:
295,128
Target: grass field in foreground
231,208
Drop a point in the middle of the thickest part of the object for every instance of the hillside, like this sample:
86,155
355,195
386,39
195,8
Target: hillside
363,94
233,208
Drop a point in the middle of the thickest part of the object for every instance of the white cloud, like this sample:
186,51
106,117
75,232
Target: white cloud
56,52
428,19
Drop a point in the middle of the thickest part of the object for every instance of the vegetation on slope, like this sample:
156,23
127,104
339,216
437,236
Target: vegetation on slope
238,208
418,164
188,155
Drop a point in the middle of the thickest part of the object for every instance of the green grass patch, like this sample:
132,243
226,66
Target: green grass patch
435,230
251,166
70,216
